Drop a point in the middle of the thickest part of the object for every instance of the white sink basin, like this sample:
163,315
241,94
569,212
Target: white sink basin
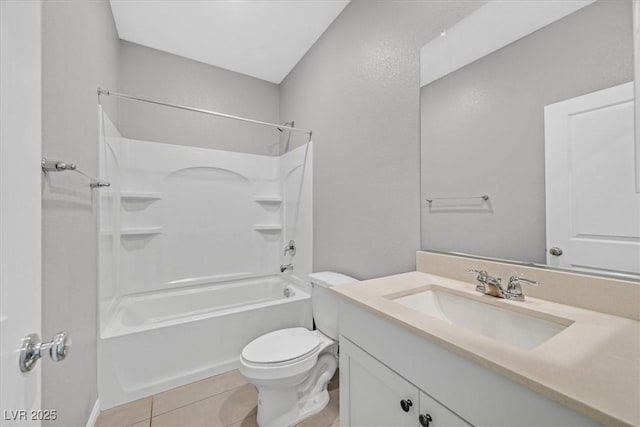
514,328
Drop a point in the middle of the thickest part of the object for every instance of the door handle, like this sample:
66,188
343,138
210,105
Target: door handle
555,251
32,349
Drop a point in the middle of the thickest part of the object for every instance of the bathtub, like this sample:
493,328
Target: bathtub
154,342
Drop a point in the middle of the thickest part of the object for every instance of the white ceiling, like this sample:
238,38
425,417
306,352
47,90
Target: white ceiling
260,38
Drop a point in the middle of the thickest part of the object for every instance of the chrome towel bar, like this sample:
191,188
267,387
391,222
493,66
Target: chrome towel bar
484,197
60,166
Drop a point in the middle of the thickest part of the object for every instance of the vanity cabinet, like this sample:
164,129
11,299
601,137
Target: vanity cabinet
378,396
383,363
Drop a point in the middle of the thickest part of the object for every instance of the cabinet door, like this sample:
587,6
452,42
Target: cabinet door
372,395
433,414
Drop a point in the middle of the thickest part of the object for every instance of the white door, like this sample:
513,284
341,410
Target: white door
20,205
593,204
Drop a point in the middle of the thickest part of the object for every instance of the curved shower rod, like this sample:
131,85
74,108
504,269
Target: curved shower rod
199,110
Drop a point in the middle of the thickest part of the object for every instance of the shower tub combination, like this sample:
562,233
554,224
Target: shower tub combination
190,244
160,341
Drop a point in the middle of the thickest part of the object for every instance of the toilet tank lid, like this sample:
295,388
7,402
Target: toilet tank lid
328,279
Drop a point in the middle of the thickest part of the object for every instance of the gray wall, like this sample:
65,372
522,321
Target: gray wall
358,89
80,52
483,130
150,73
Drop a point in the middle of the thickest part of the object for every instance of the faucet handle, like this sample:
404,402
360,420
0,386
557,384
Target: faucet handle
514,290
482,278
516,279
481,273
290,248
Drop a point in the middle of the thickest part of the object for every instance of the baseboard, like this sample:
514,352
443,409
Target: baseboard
93,416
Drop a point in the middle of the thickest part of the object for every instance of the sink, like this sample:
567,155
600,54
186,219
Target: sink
514,328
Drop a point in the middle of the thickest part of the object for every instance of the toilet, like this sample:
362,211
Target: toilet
292,367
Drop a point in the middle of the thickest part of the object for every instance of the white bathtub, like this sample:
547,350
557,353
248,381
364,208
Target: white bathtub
162,340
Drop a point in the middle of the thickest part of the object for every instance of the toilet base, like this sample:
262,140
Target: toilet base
280,407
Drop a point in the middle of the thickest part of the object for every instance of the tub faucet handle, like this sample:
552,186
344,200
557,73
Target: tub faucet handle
290,248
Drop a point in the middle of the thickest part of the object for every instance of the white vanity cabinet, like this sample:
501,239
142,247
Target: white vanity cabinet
383,363
377,396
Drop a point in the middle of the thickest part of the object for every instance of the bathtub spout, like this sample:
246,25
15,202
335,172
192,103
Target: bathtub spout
284,268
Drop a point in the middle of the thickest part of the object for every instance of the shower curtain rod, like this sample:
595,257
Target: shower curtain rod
199,110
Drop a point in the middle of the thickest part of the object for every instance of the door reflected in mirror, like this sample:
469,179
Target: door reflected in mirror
528,148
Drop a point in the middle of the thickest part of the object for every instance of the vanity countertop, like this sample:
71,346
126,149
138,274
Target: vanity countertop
593,366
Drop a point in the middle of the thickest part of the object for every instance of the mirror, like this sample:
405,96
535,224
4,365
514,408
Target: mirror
528,148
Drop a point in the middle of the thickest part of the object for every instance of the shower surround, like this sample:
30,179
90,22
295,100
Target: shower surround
190,244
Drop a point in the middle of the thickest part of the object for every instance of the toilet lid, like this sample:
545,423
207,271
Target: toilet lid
281,346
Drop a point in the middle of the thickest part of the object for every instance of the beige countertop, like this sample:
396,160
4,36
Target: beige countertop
593,366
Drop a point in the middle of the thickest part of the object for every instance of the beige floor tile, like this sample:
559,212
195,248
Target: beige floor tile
190,393
249,421
145,423
126,415
240,403
223,409
328,415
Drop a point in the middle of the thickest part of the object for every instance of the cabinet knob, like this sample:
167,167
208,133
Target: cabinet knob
406,405
425,420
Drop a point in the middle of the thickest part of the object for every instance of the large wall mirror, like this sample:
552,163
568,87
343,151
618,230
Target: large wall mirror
528,148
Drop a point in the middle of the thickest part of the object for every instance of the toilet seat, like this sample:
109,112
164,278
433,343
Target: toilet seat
300,356
282,346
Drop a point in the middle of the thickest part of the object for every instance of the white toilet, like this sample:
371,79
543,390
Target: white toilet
291,367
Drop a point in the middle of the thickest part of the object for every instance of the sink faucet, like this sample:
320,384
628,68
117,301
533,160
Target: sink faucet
490,285
284,268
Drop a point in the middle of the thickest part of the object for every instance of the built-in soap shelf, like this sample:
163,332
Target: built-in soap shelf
137,198
267,227
268,199
140,195
269,202
140,231
135,231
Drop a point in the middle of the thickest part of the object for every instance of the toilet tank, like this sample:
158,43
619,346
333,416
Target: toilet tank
325,302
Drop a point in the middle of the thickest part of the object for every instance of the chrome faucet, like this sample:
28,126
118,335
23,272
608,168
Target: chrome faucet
490,285
514,290
284,268
290,248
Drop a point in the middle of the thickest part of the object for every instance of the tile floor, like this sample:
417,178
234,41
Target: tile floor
226,400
